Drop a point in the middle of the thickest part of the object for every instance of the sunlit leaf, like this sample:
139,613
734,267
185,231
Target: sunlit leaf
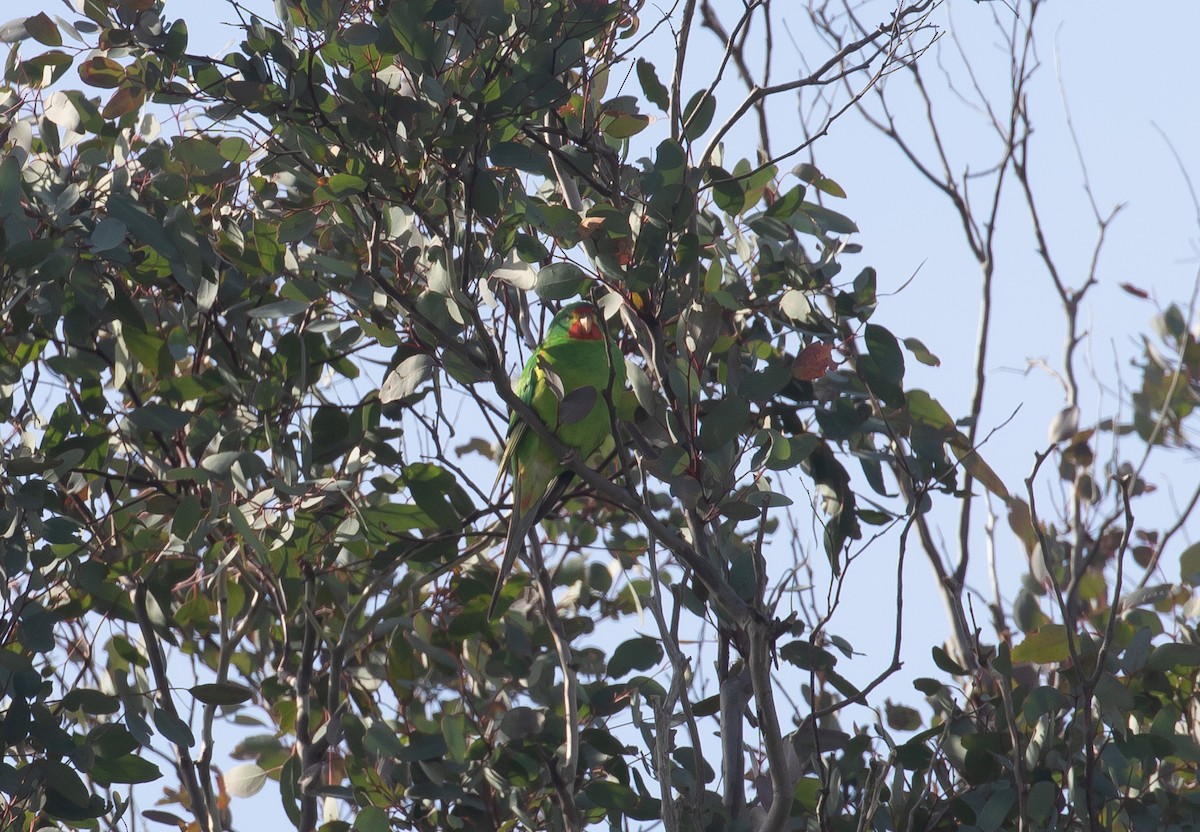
245,780
1046,645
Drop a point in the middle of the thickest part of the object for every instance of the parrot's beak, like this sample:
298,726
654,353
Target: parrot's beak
586,322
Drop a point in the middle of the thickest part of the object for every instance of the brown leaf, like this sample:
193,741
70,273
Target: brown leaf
625,251
124,100
813,362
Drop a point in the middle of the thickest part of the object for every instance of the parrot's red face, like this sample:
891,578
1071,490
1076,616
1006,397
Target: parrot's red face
585,326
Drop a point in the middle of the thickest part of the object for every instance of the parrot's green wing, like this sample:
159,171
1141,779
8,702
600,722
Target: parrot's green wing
517,427
532,387
574,356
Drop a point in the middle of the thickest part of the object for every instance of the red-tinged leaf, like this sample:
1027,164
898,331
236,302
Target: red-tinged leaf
42,29
814,361
125,100
102,72
1134,290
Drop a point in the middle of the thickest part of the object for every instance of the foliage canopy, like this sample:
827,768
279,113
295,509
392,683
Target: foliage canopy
257,367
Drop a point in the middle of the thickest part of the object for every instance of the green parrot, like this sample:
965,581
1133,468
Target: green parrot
562,382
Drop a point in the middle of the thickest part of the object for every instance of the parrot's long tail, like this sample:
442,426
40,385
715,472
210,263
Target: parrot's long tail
518,529
513,541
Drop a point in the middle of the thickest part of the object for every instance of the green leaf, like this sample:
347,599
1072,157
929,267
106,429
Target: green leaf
426,746
624,125
1189,565
921,353
520,157
43,30
670,161
221,693
149,231
656,93
289,788
159,417
371,819
360,34
829,186
173,728
1046,645
296,226
234,149
200,152
768,499
454,732
279,309
67,798
640,653
560,281
1042,700
997,808
45,69
764,384
187,517
901,717
884,348
109,233
830,222
724,423
942,659
406,378
438,494
112,740
36,630
127,769
980,470
611,795
245,780
1042,802
807,657
27,254
1114,694
165,818
247,93
1173,656
808,793
345,184
927,410
698,115
728,192
789,451
91,702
